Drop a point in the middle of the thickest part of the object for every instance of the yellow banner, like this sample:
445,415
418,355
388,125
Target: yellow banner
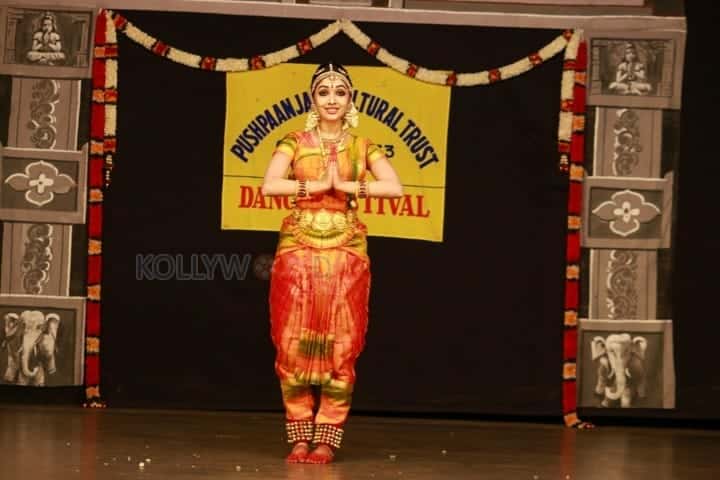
407,117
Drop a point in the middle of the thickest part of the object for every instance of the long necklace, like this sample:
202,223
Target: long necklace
323,154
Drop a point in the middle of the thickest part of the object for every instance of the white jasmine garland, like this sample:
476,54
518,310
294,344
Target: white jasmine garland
110,33
232,65
138,36
355,34
183,57
326,33
439,77
110,120
111,67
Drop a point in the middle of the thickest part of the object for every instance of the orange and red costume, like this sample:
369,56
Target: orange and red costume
319,290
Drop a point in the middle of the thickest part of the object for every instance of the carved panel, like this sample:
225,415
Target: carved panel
642,378
43,185
627,213
44,113
623,284
642,70
36,259
54,43
59,323
629,142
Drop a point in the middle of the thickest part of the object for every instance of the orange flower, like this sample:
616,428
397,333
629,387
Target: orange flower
94,247
571,318
96,195
96,147
580,78
577,172
572,272
573,222
92,345
578,123
569,370
571,419
94,292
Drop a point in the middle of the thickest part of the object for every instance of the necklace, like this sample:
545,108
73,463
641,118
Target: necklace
332,141
336,139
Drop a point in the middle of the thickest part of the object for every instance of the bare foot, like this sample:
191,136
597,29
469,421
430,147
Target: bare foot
321,454
299,453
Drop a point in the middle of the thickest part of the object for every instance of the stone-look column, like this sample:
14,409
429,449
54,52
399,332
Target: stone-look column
625,352
43,187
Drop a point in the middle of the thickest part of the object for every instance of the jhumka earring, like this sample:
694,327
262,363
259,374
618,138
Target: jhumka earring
351,117
312,120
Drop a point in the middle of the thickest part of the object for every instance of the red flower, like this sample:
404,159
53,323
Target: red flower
257,63
111,50
451,79
412,70
535,59
110,95
373,48
582,55
570,65
120,21
495,75
568,34
566,105
110,145
160,48
304,46
208,63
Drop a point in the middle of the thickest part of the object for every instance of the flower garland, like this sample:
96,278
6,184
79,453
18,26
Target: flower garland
438,77
256,62
571,133
442,77
102,149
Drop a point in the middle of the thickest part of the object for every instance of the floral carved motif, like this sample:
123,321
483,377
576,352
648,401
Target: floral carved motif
40,182
626,211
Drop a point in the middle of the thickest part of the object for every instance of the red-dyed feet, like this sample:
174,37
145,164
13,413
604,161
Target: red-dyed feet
321,455
299,453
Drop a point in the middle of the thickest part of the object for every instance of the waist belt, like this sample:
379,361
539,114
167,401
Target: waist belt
324,228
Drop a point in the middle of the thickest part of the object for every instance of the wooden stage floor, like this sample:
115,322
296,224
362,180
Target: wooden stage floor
48,443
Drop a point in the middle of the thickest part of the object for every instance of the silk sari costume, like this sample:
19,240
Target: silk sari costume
319,290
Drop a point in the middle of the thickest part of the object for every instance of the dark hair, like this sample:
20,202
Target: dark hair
327,68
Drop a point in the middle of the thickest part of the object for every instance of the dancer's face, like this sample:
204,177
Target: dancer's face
332,98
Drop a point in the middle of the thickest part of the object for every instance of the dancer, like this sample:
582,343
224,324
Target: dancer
320,283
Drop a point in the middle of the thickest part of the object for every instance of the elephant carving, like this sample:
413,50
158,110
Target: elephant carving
30,341
621,368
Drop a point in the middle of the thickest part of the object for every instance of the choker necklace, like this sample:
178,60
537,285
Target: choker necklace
336,139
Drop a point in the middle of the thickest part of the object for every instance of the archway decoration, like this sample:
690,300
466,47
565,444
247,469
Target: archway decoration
104,148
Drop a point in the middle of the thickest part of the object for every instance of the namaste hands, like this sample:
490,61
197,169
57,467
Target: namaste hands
331,180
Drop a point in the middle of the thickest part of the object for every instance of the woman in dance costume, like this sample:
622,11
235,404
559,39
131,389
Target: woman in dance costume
320,283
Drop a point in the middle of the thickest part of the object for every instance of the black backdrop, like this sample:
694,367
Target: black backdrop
157,350
469,325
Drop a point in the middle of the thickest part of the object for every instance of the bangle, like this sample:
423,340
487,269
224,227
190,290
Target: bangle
301,190
362,190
